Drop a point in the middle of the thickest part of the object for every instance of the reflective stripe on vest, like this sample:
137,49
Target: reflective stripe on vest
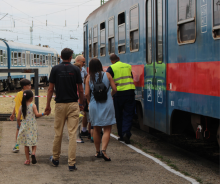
122,76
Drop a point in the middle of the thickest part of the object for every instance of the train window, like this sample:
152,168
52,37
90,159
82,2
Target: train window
149,32
102,39
95,41
19,59
1,57
32,59
5,58
55,60
38,60
90,43
121,33
15,58
216,19
12,58
159,31
46,60
41,60
134,28
23,59
186,32
35,59
111,35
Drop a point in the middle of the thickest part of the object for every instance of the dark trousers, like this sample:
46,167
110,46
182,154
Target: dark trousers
124,112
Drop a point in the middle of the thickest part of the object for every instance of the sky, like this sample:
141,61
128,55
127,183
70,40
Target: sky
16,18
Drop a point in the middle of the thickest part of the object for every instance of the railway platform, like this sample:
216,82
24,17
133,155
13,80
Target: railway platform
127,165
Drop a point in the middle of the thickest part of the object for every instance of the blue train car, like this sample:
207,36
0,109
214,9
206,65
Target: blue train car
173,47
18,55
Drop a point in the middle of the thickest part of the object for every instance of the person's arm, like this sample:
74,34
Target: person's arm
112,83
87,92
49,97
19,117
80,91
12,117
38,115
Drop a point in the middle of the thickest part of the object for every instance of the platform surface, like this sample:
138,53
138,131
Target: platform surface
127,166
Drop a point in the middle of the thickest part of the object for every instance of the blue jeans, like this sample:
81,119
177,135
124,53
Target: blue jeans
124,112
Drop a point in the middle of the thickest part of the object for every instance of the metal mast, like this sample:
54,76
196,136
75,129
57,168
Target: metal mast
31,35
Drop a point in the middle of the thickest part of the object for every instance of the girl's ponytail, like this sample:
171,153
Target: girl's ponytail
26,96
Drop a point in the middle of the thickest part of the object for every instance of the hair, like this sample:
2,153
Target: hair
79,58
24,82
78,65
114,57
66,53
26,96
95,66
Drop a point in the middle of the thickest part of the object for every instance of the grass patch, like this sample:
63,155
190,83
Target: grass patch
173,166
186,173
115,133
199,180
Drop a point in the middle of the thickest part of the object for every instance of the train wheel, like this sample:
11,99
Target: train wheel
218,135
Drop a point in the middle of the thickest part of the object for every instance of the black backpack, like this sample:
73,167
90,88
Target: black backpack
100,91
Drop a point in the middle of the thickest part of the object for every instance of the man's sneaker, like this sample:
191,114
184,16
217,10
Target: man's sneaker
126,139
55,163
84,134
72,168
16,149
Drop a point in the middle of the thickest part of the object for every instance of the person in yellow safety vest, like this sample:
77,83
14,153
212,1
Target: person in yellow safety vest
124,99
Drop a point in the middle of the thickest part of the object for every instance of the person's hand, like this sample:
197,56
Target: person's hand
12,117
48,110
81,108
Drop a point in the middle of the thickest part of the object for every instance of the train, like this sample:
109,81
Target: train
174,49
14,55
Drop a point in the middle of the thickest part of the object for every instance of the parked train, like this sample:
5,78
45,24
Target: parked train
15,55
174,49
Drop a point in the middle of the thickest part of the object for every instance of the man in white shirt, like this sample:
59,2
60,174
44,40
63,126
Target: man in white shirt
80,59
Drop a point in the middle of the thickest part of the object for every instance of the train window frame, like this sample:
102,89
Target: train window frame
52,60
32,59
41,60
23,60
134,29
19,58
5,57
182,22
55,60
12,58
1,58
95,43
111,37
149,48
120,25
157,33
214,28
90,43
16,58
102,47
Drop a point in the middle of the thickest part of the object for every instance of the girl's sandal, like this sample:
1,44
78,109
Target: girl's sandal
27,162
33,158
98,154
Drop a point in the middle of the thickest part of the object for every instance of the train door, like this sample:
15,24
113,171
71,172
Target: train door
85,44
155,68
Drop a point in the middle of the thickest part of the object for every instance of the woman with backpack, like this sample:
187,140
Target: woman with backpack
101,107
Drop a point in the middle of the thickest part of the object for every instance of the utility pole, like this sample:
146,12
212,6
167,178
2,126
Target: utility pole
31,35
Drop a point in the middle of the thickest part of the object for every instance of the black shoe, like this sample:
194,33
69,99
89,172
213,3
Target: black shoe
84,134
127,139
120,139
55,163
72,168
89,136
103,156
33,158
98,154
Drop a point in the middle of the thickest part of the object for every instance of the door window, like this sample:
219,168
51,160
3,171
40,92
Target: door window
111,35
216,19
159,31
134,28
